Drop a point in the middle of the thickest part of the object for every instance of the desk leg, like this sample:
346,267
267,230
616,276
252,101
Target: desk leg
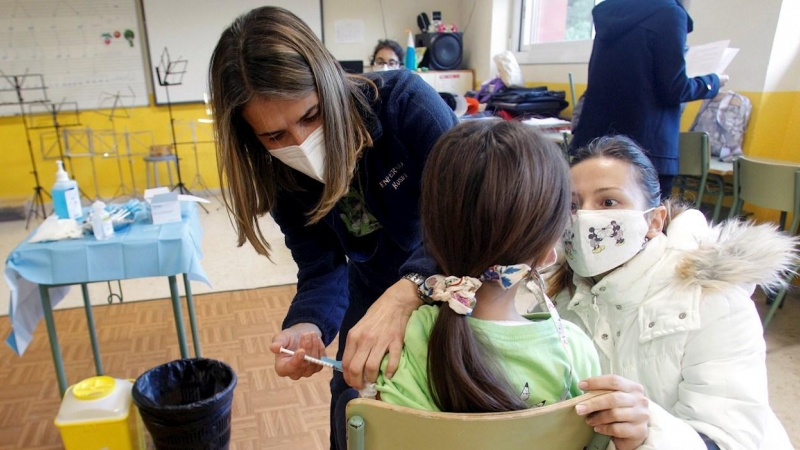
192,320
176,309
87,306
51,334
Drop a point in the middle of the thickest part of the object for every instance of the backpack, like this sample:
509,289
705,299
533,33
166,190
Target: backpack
536,101
724,118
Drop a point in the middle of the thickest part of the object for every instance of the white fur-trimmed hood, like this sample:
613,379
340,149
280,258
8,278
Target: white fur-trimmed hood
732,253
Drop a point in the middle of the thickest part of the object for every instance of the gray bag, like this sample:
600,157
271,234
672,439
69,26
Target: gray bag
724,118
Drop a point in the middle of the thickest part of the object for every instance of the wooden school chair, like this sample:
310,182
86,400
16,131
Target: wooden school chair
372,424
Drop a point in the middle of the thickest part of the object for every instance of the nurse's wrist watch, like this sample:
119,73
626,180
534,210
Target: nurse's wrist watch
419,280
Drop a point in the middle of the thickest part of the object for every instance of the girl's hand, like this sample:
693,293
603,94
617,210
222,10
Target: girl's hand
622,414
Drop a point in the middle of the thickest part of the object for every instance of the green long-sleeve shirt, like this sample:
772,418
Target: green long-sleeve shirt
532,356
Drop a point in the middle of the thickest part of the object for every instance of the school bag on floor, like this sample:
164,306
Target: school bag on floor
724,118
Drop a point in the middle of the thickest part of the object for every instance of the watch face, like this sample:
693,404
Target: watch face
416,278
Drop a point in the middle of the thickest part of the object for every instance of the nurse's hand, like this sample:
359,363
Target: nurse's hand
303,339
381,330
622,414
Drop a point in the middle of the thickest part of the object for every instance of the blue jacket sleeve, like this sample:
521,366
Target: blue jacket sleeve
668,41
422,117
322,291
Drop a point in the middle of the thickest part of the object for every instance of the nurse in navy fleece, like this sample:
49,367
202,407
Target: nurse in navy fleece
637,79
337,161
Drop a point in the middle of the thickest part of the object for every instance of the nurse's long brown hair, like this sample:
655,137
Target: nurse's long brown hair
269,53
492,193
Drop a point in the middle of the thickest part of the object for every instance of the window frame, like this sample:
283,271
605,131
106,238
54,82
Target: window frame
565,52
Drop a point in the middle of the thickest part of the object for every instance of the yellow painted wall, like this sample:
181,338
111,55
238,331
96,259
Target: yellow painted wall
16,186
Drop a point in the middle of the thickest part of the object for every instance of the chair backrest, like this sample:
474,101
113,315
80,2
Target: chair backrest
767,184
693,154
374,425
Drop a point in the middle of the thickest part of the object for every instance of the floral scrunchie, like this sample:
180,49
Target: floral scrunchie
459,292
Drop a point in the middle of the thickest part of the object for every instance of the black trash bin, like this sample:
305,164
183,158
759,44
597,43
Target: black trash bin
186,404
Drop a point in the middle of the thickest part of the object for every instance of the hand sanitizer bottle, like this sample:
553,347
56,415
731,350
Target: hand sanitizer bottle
101,221
66,197
411,54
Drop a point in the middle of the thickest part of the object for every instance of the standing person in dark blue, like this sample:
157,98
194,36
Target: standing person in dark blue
337,160
637,79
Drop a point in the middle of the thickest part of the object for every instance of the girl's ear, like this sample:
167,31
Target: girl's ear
657,221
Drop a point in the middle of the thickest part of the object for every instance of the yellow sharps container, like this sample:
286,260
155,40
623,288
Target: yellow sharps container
98,413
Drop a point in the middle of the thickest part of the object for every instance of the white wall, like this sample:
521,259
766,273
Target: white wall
398,15
476,16
765,62
783,73
750,26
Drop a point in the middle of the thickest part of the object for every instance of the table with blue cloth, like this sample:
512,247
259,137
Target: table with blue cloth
39,276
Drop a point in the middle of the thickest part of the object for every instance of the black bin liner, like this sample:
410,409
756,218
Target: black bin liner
186,404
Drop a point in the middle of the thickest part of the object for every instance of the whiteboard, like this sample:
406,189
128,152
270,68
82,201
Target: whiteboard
190,29
80,48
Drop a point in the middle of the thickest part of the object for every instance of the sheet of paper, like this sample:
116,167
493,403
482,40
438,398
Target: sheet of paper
704,59
727,57
547,122
349,31
165,208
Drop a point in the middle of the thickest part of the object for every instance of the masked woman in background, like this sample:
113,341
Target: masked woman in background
388,55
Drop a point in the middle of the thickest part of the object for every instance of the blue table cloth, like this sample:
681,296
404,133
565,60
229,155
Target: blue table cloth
138,251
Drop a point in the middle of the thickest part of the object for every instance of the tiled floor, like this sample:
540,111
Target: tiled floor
269,412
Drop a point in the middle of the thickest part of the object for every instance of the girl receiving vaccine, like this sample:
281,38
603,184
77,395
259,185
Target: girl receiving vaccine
495,200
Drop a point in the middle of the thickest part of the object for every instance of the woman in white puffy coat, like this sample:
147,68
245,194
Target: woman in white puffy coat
669,312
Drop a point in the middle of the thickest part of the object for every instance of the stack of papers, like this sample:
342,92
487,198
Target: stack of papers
550,123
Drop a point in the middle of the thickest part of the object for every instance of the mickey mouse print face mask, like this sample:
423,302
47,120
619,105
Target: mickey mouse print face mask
601,240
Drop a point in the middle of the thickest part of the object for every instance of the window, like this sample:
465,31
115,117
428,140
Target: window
554,31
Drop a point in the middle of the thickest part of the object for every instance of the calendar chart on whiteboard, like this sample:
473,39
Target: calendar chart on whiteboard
85,49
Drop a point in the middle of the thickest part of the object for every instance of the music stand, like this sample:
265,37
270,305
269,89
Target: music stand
19,84
69,109
120,104
170,73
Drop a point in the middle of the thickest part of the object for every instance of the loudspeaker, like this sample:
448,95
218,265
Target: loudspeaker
443,50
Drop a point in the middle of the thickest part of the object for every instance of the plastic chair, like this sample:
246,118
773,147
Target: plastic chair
372,424
694,160
768,185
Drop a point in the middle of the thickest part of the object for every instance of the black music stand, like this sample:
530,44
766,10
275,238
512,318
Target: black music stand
65,108
34,84
170,73
120,104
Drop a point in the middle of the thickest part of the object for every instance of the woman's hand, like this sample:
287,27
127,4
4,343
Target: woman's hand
622,414
380,330
303,339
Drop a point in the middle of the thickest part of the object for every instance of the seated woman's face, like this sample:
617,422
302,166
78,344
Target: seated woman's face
605,183
386,59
